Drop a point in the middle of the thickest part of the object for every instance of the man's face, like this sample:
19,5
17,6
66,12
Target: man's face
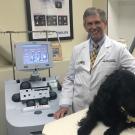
95,27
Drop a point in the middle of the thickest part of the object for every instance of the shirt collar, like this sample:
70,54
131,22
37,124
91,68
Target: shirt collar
100,43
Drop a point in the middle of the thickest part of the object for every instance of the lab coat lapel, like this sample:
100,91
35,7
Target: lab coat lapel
103,50
86,56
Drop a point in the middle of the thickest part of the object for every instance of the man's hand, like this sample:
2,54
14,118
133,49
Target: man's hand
61,112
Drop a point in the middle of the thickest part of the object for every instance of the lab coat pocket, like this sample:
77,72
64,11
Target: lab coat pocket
108,66
79,65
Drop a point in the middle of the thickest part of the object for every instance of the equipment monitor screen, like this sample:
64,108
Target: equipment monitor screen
33,55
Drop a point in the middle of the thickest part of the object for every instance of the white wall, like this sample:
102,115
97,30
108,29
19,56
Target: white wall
127,20
121,20
113,15
100,4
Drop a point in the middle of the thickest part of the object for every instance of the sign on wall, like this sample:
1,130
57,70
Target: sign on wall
50,15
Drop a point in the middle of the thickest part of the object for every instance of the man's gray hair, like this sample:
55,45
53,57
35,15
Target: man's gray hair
95,11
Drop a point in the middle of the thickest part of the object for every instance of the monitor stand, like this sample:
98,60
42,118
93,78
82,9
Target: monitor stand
35,76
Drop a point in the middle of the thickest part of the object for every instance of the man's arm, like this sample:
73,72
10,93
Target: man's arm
67,90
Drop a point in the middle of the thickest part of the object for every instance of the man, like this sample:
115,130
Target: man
85,76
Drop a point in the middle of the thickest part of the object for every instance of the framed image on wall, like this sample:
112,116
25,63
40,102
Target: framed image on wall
49,15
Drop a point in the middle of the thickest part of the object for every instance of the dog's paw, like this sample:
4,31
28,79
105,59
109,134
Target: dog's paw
81,131
111,131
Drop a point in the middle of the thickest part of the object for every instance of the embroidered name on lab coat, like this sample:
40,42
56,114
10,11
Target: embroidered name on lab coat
81,62
109,60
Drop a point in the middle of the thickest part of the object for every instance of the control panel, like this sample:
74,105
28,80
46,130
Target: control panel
36,94
34,90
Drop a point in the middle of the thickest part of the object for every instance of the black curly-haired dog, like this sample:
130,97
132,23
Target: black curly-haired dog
114,105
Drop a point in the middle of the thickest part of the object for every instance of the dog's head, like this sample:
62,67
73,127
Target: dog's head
126,96
129,111
128,105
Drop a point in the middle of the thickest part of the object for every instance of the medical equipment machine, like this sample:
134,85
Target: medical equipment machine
30,101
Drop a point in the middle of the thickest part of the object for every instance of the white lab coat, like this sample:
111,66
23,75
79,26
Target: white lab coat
80,85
